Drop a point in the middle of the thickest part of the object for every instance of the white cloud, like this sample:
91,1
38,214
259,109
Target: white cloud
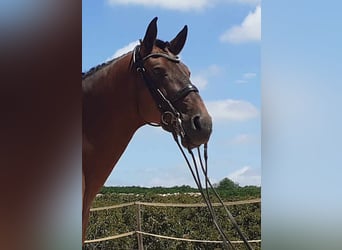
179,5
175,176
200,81
242,139
246,176
231,110
252,2
124,50
201,78
241,81
245,77
213,70
249,30
249,75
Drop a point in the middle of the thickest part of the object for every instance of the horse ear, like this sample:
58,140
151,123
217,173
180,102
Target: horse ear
150,37
177,44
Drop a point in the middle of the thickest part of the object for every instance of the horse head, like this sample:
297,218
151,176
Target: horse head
179,107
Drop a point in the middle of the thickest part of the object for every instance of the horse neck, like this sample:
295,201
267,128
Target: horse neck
110,116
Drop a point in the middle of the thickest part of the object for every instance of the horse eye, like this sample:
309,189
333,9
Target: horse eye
159,71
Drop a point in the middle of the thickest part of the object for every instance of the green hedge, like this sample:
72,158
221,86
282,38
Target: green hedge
192,223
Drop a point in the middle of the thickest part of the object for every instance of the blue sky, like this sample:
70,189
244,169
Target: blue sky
301,124
223,54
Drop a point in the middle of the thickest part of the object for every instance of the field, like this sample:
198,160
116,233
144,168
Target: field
174,221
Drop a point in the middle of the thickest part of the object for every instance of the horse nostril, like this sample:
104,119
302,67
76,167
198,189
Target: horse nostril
196,124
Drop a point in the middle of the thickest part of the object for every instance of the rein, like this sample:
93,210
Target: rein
171,118
206,196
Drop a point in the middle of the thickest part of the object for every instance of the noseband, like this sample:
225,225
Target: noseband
170,117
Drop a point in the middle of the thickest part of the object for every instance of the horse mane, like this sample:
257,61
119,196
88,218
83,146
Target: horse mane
98,67
159,43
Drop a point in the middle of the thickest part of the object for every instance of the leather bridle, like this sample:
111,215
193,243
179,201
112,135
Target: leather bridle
170,117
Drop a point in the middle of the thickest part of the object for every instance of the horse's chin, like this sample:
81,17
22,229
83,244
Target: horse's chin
190,144
191,139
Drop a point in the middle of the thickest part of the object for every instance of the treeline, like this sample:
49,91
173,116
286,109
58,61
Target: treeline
145,190
226,188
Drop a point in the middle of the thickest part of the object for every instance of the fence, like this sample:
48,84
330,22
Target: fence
139,233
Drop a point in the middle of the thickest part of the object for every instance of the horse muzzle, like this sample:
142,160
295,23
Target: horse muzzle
197,131
194,130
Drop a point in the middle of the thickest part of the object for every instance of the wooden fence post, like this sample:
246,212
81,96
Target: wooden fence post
139,235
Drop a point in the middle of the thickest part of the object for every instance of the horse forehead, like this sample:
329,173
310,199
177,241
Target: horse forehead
157,49
181,66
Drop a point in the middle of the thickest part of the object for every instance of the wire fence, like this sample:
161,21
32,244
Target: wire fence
139,233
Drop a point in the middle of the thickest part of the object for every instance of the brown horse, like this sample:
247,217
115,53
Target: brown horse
147,85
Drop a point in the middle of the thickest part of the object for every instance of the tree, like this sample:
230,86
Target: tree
227,184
